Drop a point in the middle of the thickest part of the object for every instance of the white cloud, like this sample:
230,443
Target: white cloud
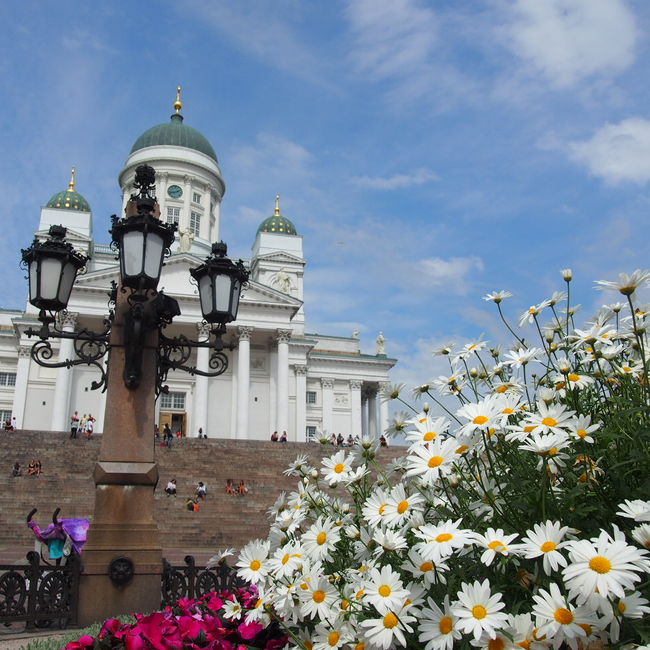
571,40
391,36
453,275
616,152
397,181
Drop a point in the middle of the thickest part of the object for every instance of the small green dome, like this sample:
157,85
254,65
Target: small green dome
176,134
69,199
277,223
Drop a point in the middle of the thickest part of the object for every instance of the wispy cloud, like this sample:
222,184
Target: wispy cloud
397,181
616,152
567,41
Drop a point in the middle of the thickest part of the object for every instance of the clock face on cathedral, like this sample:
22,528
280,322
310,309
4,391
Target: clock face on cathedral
174,191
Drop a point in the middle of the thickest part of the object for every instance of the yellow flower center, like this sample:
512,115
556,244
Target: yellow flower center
258,604
502,389
286,558
333,638
508,411
345,604
586,627
563,616
360,594
573,377
621,606
390,621
560,385
524,644
600,564
547,547
581,433
462,449
496,644
446,625
435,461
402,507
552,451
498,546
444,537
480,419
478,611
339,468
426,566
529,428
429,435
360,646
382,507
318,596
255,565
321,538
384,591
549,422
309,645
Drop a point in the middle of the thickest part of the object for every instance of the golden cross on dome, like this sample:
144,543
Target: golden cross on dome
277,206
178,104
71,184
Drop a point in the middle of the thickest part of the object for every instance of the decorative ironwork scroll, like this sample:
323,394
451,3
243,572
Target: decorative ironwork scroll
191,581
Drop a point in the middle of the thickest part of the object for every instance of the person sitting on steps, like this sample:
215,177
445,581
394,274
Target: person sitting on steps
201,490
242,489
171,488
230,487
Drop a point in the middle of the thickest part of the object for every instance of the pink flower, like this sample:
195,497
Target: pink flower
189,627
213,602
250,630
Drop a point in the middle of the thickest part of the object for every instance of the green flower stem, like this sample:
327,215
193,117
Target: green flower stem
505,322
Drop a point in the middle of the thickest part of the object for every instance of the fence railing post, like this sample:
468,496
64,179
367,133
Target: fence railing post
33,574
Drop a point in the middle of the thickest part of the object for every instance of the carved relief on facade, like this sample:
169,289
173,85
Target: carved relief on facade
341,399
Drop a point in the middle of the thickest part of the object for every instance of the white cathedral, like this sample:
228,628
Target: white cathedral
280,377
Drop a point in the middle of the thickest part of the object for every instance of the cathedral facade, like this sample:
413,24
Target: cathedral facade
280,376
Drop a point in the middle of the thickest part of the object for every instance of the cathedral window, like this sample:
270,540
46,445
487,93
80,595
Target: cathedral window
172,400
310,434
195,223
5,416
7,378
196,197
311,397
173,215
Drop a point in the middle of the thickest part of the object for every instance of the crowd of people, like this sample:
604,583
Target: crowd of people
84,425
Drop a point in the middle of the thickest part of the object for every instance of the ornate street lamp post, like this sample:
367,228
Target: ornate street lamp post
122,560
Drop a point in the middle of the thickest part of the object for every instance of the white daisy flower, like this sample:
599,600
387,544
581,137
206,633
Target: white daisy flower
388,540
232,609
545,540
558,620
497,296
400,507
337,467
638,510
317,598
627,284
521,357
425,570
427,429
603,565
495,543
332,634
253,561
431,462
483,415
478,610
388,630
442,540
532,312
641,535
374,508
319,541
549,418
285,560
581,427
438,626
385,591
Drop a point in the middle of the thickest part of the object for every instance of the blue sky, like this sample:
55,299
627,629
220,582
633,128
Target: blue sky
429,152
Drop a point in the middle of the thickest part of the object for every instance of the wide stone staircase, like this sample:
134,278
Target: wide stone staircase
222,520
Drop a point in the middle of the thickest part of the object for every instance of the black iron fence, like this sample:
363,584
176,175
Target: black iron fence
47,596
39,595
192,581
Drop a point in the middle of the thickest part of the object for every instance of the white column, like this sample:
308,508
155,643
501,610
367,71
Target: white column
243,381
364,413
20,389
355,403
327,386
273,393
61,407
200,404
301,403
383,410
372,413
283,337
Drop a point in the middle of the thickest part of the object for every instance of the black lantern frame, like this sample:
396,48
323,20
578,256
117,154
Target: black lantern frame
141,241
52,266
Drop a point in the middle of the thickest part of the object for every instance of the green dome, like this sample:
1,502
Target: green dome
277,223
176,134
69,199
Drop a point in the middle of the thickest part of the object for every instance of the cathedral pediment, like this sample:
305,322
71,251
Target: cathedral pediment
279,257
